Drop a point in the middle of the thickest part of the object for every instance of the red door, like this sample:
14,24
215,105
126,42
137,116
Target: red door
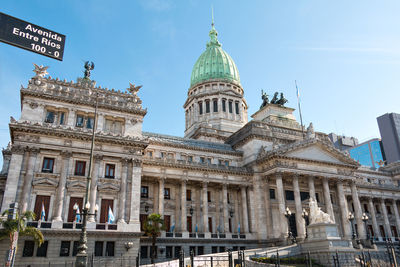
189,223
71,212
105,205
167,222
42,201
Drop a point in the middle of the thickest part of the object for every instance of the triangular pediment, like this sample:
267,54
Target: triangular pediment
319,152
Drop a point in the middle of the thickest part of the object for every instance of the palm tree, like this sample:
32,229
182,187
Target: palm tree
152,228
10,226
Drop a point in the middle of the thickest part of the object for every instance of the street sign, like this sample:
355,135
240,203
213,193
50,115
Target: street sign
31,37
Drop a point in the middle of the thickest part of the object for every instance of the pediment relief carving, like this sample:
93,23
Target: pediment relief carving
45,181
105,184
76,185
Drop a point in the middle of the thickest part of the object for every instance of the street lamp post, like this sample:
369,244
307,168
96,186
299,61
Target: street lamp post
365,218
351,219
304,214
288,213
82,255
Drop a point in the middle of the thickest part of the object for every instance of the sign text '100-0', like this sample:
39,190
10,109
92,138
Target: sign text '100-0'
31,37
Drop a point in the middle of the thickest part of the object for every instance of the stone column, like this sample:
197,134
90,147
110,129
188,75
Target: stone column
299,209
259,205
71,118
161,182
28,179
281,205
93,187
396,214
377,233
344,213
386,219
60,193
268,212
122,193
183,207
312,188
135,194
225,207
244,210
327,198
205,208
14,170
357,211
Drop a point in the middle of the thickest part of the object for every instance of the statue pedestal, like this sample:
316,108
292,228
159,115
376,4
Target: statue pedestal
323,242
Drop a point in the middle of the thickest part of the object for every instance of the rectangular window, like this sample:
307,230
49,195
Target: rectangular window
190,158
207,106
214,250
144,252
75,248
162,155
177,252
389,210
366,208
215,105
144,192
304,196
208,196
228,198
150,154
289,195
50,115
202,160
142,218
65,247
62,118
79,121
80,167
48,164
272,194
200,108
110,249
189,195
110,171
230,106
167,194
168,252
237,107
317,196
226,163
377,209
90,123
29,246
98,248
200,250
42,250
223,105
220,162
209,160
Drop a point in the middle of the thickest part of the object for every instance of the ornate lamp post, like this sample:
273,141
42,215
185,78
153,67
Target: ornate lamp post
365,218
351,219
82,255
288,213
304,214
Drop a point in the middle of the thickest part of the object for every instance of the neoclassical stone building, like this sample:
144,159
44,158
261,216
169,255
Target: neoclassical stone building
225,185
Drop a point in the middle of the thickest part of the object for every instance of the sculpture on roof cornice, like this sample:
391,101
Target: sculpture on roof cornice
134,89
265,99
88,67
274,100
282,101
40,71
310,131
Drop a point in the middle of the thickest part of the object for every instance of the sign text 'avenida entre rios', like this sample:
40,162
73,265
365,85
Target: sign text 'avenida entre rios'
31,37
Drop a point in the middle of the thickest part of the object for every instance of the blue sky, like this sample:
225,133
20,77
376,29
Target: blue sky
345,55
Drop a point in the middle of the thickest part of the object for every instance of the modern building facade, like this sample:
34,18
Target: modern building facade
225,185
368,153
389,127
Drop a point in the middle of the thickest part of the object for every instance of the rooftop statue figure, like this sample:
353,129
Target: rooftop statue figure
265,99
282,101
274,100
88,67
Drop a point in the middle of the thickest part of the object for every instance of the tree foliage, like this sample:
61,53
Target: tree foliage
10,226
153,226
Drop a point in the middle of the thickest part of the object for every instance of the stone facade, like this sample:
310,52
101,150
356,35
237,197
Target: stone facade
224,186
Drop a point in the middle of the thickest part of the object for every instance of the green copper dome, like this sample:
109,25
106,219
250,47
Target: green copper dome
214,63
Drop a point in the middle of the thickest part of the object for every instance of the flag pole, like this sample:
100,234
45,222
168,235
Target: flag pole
298,102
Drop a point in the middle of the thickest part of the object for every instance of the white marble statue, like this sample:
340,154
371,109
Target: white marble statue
317,215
